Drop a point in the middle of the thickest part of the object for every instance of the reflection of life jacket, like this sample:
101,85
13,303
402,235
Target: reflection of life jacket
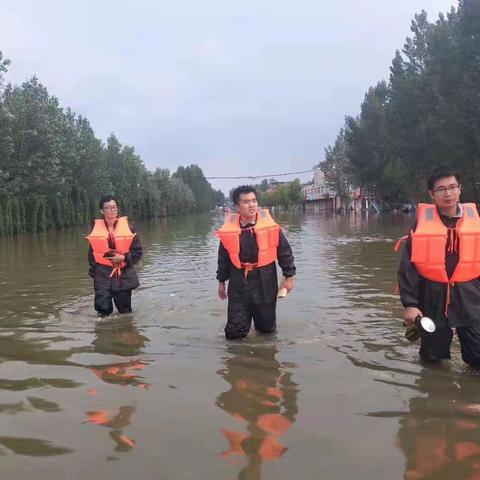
266,232
271,425
122,237
123,373
429,241
106,418
429,457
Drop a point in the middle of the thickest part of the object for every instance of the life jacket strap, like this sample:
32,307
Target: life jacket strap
399,242
453,239
117,272
248,267
448,299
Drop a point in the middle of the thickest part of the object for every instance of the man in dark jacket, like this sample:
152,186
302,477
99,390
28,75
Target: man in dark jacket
449,305
252,293
110,284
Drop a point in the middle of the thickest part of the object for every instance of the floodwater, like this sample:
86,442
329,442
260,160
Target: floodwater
337,393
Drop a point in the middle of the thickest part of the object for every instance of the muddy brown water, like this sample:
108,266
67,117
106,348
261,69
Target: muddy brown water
337,393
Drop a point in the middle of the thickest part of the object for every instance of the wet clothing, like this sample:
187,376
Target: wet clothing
105,297
431,298
240,315
437,345
255,296
115,288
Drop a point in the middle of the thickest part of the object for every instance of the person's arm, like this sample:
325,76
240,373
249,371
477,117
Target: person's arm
91,262
286,261
409,284
135,254
223,271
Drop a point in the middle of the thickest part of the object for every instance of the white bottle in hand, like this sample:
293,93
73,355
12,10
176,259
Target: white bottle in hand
282,292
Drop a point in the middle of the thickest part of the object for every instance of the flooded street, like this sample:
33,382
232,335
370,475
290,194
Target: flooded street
160,394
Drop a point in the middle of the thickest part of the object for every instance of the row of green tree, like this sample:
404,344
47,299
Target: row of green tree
272,193
285,194
426,116
53,169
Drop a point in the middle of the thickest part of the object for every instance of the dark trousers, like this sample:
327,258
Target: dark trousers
104,305
437,345
240,317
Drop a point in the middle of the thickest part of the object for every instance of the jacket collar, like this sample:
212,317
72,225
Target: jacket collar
459,213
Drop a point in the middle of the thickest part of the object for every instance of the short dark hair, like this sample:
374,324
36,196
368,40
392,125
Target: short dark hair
242,189
439,173
105,199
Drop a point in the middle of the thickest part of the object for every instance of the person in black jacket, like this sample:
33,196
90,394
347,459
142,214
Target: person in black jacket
252,293
108,284
449,305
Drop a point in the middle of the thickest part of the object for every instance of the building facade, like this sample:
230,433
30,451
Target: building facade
318,195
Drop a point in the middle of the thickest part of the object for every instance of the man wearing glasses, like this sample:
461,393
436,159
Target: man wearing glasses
439,270
114,249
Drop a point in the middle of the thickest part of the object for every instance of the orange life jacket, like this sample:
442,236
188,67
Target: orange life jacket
98,240
267,234
429,241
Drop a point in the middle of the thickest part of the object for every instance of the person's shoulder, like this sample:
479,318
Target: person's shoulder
133,227
282,236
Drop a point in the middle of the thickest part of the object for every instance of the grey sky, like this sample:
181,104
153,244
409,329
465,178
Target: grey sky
240,89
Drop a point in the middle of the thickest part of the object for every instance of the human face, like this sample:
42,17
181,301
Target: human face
109,210
446,193
247,205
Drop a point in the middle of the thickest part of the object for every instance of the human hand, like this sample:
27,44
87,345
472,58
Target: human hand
410,314
287,284
117,259
221,290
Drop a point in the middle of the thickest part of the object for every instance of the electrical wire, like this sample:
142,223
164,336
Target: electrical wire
253,177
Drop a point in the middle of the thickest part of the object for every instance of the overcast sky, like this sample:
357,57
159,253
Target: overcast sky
239,88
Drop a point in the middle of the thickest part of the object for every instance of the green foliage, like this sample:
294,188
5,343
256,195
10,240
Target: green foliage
203,193
285,194
53,169
272,193
175,197
427,115
4,63
338,169
219,197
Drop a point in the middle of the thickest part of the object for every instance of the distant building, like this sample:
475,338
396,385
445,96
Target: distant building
317,194
273,185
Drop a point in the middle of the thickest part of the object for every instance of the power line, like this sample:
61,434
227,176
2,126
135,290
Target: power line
253,177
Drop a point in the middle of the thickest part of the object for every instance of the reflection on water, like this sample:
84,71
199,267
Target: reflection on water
116,422
31,446
262,399
440,433
118,337
121,373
